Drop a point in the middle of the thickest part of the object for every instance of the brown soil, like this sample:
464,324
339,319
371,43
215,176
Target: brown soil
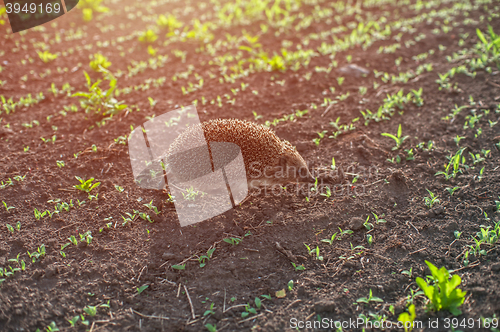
273,228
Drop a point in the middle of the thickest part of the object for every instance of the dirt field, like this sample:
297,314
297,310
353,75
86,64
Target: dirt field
331,78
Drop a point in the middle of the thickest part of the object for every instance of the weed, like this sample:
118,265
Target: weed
398,139
98,101
444,294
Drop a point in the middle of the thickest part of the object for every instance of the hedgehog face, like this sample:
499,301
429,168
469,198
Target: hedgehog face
287,168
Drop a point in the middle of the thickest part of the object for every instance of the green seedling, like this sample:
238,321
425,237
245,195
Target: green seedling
431,199
408,273
99,62
141,289
458,139
86,185
52,327
407,318
119,189
205,258
368,225
453,165
152,207
379,220
369,239
148,36
369,299
327,193
100,102
298,267
73,321
8,208
410,155
457,234
330,240
232,240
145,216
179,267
152,102
443,294
90,310
451,190
398,139
333,167
210,311
130,217
73,240
60,163
290,285
342,233
46,56
211,328
248,310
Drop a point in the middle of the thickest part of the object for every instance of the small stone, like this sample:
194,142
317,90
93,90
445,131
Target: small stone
217,314
354,70
301,292
495,267
479,290
356,223
168,255
324,306
438,210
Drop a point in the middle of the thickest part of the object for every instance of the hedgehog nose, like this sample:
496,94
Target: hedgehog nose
311,179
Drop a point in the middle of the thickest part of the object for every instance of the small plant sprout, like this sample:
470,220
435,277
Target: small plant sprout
333,164
211,328
205,258
368,225
60,163
119,189
451,190
330,240
408,273
86,185
152,102
232,240
398,139
443,294
142,289
407,318
90,310
431,199
210,311
455,161
369,239
152,207
8,208
458,139
369,299
298,267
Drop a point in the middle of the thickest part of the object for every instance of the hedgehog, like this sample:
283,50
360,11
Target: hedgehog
268,160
